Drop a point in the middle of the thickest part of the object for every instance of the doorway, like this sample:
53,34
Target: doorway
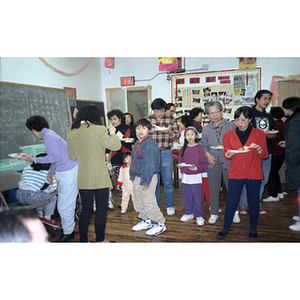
136,100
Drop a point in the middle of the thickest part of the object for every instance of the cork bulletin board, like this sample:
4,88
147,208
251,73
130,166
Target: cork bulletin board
233,88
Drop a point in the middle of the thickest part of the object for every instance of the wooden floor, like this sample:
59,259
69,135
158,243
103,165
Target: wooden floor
272,227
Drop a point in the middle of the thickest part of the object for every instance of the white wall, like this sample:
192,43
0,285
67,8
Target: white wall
92,82
32,71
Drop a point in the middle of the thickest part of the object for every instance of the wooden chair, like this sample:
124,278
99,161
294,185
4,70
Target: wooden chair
10,181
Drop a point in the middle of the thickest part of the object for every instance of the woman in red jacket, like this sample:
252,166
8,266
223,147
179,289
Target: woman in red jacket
245,146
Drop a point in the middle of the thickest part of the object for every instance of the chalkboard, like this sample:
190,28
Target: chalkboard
76,104
18,102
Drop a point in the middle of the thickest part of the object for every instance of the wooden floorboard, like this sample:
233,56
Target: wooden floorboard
272,227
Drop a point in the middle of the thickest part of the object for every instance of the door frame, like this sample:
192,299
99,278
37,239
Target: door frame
147,88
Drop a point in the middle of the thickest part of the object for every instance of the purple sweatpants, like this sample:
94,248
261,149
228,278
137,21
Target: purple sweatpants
191,199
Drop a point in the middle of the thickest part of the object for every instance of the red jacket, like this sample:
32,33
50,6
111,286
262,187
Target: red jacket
245,165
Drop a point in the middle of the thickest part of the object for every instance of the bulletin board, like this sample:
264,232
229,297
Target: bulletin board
233,88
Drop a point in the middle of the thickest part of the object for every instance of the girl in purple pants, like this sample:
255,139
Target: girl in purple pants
193,163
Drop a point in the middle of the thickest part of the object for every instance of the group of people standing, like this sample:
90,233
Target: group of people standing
239,153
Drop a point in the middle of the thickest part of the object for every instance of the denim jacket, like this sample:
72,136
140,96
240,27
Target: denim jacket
145,160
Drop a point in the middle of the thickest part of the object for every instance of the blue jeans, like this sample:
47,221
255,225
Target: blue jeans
166,170
266,167
30,197
234,190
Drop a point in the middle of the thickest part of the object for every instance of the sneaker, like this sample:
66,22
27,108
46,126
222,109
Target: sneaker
156,229
243,210
200,221
281,195
213,219
111,203
49,222
271,199
144,224
236,218
185,218
295,227
123,211
296,218
171,211
261,211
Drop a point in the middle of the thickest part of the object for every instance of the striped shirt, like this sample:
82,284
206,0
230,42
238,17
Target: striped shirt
34,180
164,140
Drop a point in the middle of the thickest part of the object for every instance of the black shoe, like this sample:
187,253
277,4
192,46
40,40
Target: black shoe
222,233
66,238
253,234
57,233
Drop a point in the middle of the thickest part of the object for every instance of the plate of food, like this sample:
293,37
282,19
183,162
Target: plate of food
160,128
185,165
127,140
240,150
16,155
217,147
273,131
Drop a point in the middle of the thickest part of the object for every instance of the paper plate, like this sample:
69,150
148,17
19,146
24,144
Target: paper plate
185,165
238,151
14,155
127,140
160,128
217,147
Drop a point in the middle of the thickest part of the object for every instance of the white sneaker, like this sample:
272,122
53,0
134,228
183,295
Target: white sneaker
123,211
171,211
271,199
295,227
145,224
156,229
296,218
213,219
185,218
110,203
236,218
281,195
200,221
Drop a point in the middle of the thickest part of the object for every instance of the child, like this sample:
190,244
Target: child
31,190
144,169
125,182
192,153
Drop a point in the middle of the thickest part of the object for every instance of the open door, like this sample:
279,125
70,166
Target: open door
136,100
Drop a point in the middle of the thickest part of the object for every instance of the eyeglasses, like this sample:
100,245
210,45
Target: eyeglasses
214,112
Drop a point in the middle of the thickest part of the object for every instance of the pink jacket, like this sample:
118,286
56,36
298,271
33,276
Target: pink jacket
124,178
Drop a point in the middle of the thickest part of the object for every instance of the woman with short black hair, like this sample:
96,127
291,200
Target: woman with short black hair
245,147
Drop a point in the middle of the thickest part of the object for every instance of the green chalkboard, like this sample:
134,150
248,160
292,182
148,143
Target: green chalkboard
18,102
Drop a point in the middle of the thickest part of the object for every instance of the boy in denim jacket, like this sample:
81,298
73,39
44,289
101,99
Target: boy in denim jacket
145,166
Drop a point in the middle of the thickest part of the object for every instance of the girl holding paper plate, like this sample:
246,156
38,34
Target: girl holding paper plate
245,146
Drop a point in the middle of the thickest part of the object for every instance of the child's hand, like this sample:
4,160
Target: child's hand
144,188
193,168
119,188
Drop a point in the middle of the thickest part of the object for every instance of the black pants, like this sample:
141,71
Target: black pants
87,197
274,183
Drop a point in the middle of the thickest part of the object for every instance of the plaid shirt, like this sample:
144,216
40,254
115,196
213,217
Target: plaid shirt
164,140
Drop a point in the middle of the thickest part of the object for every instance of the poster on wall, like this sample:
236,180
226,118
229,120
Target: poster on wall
233,88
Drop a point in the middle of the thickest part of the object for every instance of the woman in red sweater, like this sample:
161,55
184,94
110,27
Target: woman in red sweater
245,146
